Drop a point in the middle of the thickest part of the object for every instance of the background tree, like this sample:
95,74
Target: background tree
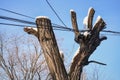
21,59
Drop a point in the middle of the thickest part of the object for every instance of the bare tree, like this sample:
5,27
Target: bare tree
21,60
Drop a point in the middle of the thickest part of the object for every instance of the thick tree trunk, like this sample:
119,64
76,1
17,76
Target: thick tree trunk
50,49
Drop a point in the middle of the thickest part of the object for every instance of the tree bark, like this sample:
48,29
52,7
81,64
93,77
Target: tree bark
87,44
50,49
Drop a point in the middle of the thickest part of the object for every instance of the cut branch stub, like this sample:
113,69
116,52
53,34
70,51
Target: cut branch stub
74,22
31,30
99,25
50,49
75,25
90,17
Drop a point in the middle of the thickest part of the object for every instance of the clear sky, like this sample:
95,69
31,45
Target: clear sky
108,52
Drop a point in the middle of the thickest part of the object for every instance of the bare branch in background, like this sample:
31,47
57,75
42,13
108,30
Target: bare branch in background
22,63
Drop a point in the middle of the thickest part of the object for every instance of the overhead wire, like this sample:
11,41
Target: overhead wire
55,26
62,28
28,22
109,34
59,27
109,31
14,25
24,15
70,29
16,20
6,10
55,13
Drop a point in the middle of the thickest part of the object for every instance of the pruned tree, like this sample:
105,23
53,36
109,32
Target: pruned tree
89,40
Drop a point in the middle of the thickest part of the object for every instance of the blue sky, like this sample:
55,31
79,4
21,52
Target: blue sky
109,50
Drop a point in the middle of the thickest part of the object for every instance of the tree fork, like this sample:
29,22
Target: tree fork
88,43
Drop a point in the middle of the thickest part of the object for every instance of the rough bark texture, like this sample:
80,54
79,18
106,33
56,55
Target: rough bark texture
50,49
88,43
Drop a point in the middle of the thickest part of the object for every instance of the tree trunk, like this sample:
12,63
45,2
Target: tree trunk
50,49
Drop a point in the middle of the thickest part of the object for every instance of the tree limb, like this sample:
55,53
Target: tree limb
31,30
74,21
88,45
90,17
92,61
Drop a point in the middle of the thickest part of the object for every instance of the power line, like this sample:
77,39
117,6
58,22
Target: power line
109,31
110,34
32,23
55,26
72,30
17,20
14,25
55,13
26,15
32,17
28,22
24,21
62,28
16,13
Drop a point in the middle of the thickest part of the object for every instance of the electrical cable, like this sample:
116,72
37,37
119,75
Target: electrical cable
21,14
17,20
55,26
24,21
61,28
16,13
14,25
55,13
109,31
